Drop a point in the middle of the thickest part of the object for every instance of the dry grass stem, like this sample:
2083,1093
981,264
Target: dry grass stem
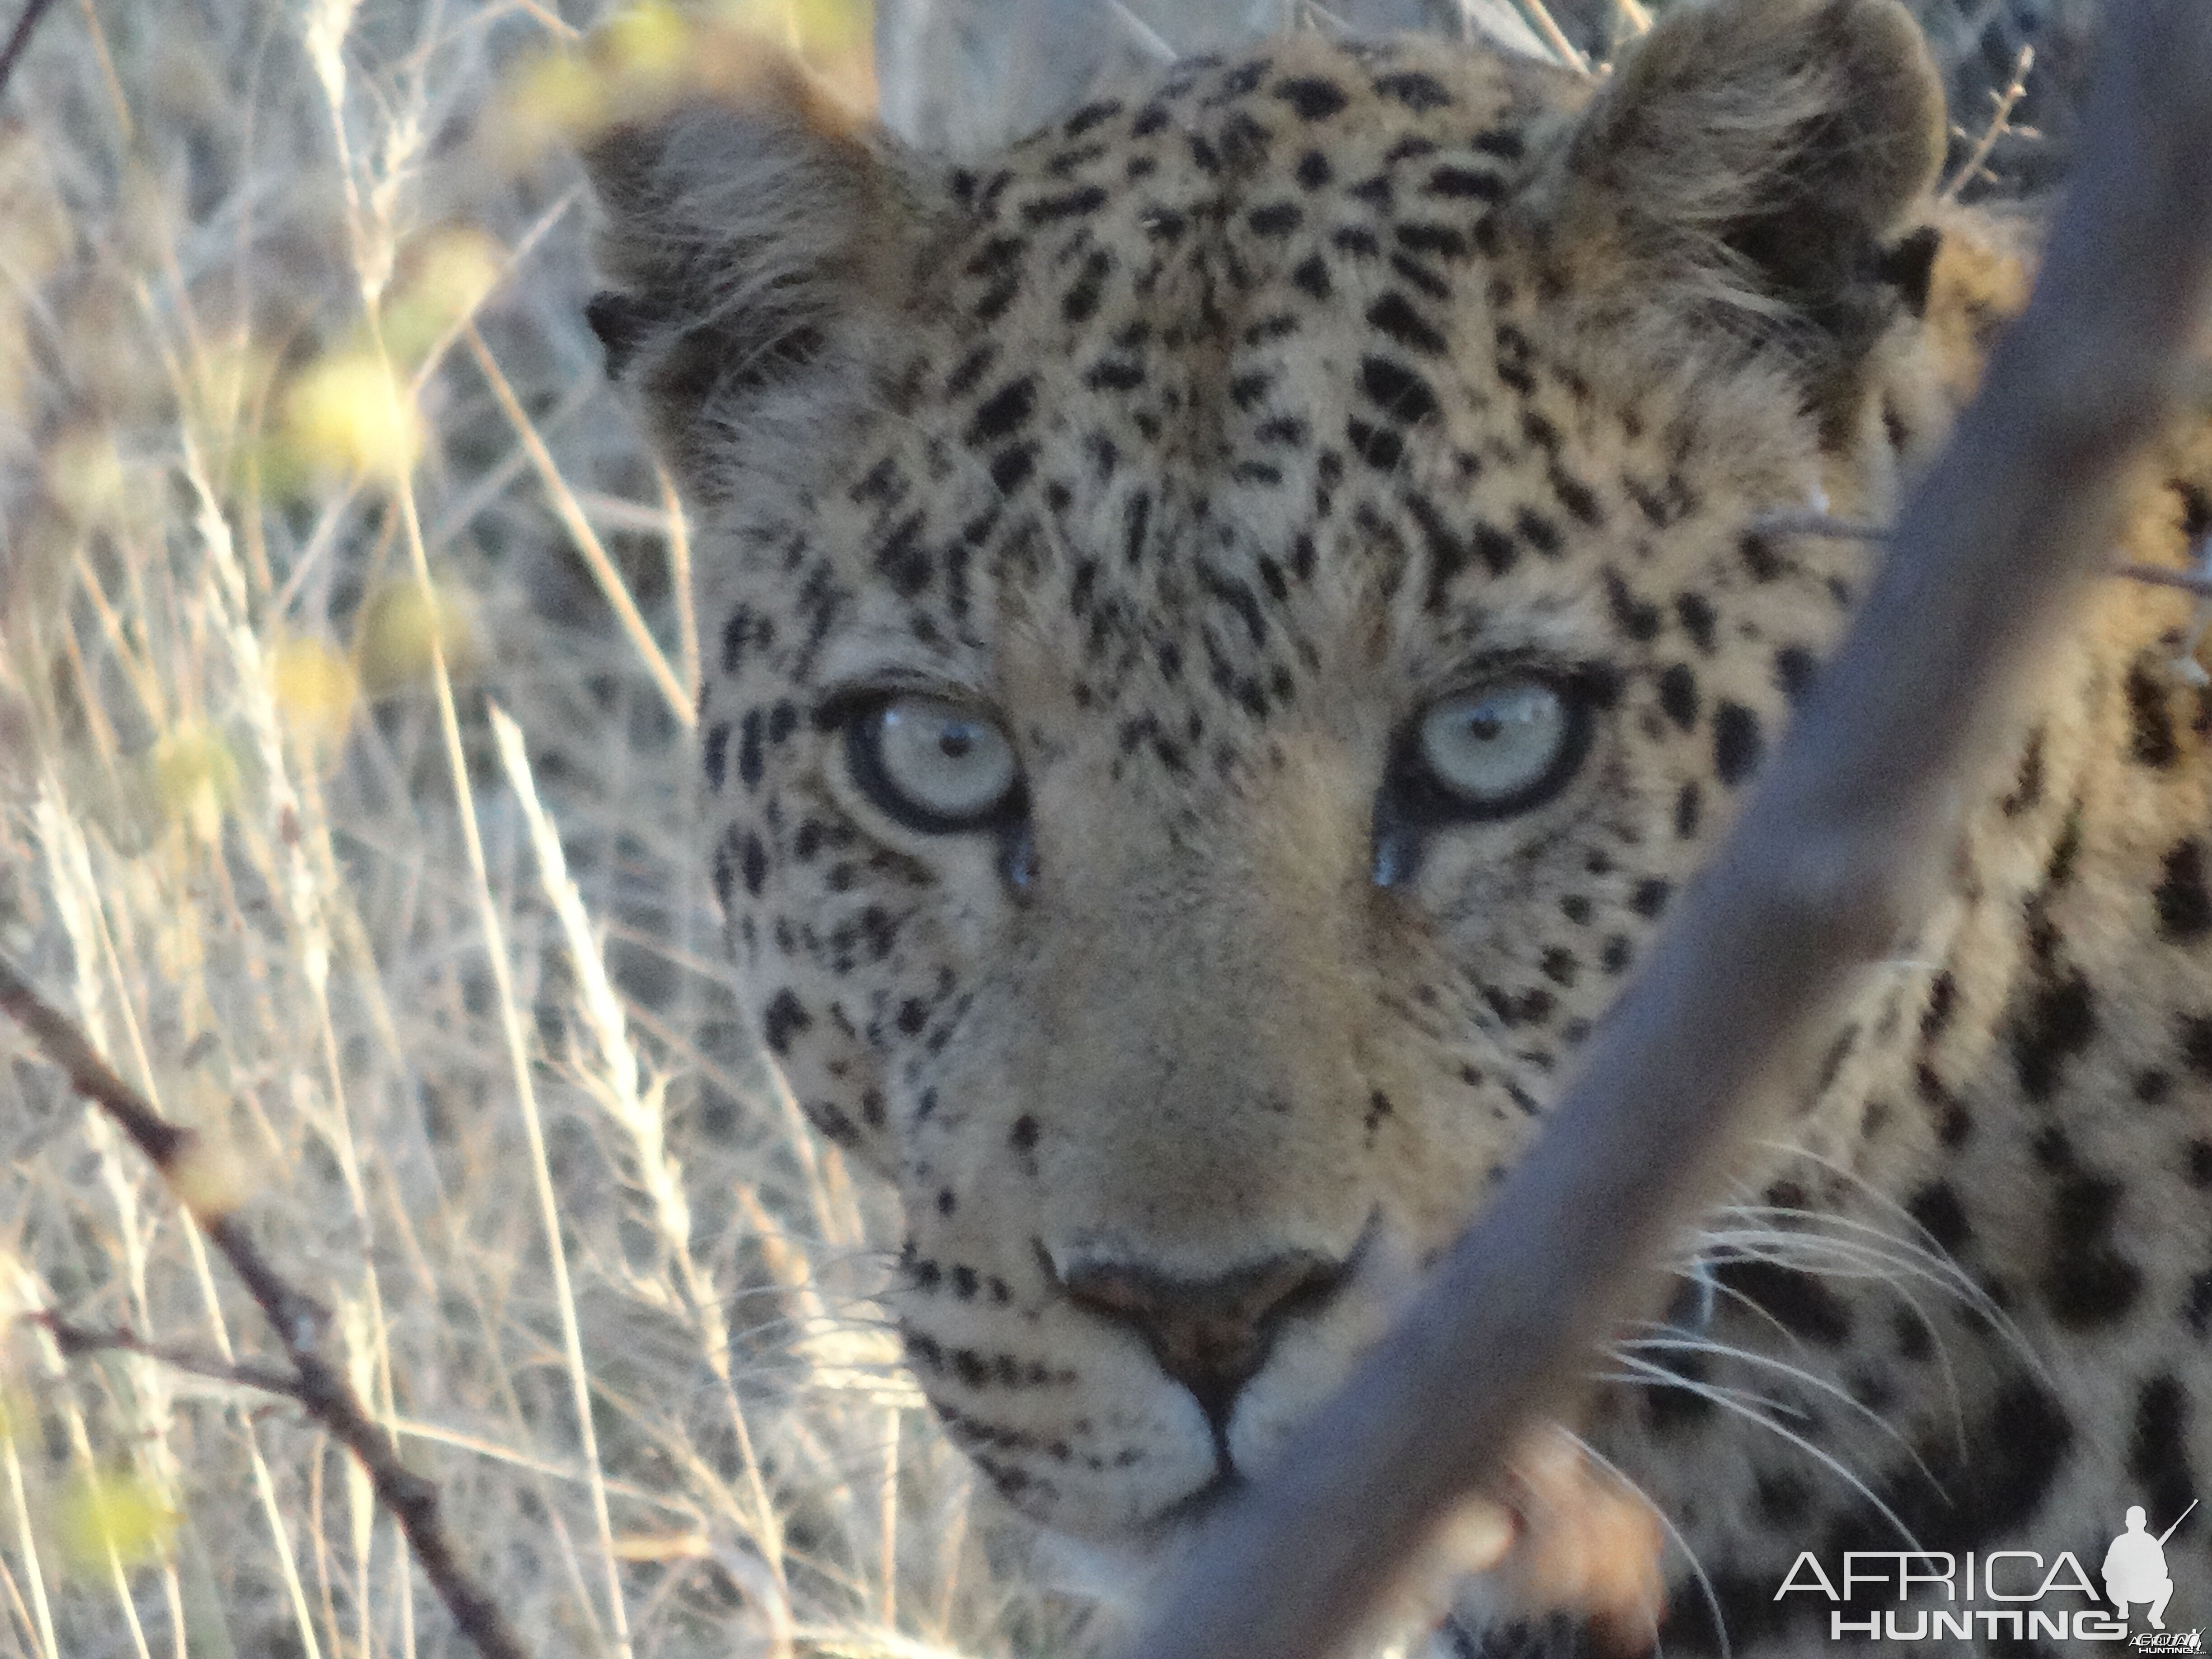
682,698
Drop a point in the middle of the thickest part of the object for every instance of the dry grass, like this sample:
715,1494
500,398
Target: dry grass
344,770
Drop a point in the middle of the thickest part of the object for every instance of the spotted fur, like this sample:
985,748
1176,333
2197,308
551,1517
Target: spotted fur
1202,441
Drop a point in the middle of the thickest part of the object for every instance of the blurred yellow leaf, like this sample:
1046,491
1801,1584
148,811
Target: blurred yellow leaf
349,412
315,688
558,99
399,627
211,1179
84,475
654,53
116,1512
195,775
641,59
646,47
821,29
448,279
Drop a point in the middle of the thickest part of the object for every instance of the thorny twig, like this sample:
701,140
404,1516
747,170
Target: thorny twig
1820,873
1999,121
299,1322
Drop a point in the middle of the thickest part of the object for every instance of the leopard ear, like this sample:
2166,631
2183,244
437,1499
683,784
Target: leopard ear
754,233
1756,159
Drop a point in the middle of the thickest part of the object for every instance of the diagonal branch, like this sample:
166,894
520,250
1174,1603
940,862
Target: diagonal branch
74,1340
19,38
1838,847
299,1321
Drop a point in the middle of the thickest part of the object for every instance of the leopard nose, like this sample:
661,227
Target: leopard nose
1211,1336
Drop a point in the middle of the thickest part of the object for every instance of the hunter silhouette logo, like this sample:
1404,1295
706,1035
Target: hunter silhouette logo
2134,1566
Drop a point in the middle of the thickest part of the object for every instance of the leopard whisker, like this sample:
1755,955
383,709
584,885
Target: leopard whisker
1935,1332
1812,1250
1818,1256
1728,1399
1783,1368
1665,1378
1972,1294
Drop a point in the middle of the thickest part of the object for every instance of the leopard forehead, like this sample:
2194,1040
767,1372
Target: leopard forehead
1253,382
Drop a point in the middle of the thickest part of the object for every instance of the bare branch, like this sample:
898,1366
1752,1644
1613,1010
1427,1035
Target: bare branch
299,1321
19,38
1840,844
75,1340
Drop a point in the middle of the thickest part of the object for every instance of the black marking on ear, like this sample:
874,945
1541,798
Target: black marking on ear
619,321
1910,267
1737,743
1313,98
1417,92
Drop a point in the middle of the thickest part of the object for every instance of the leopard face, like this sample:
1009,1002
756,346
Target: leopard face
1234,620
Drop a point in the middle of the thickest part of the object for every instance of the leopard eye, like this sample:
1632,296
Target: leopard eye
933,764
1501,748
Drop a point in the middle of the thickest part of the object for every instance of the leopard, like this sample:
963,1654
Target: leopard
1232,621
